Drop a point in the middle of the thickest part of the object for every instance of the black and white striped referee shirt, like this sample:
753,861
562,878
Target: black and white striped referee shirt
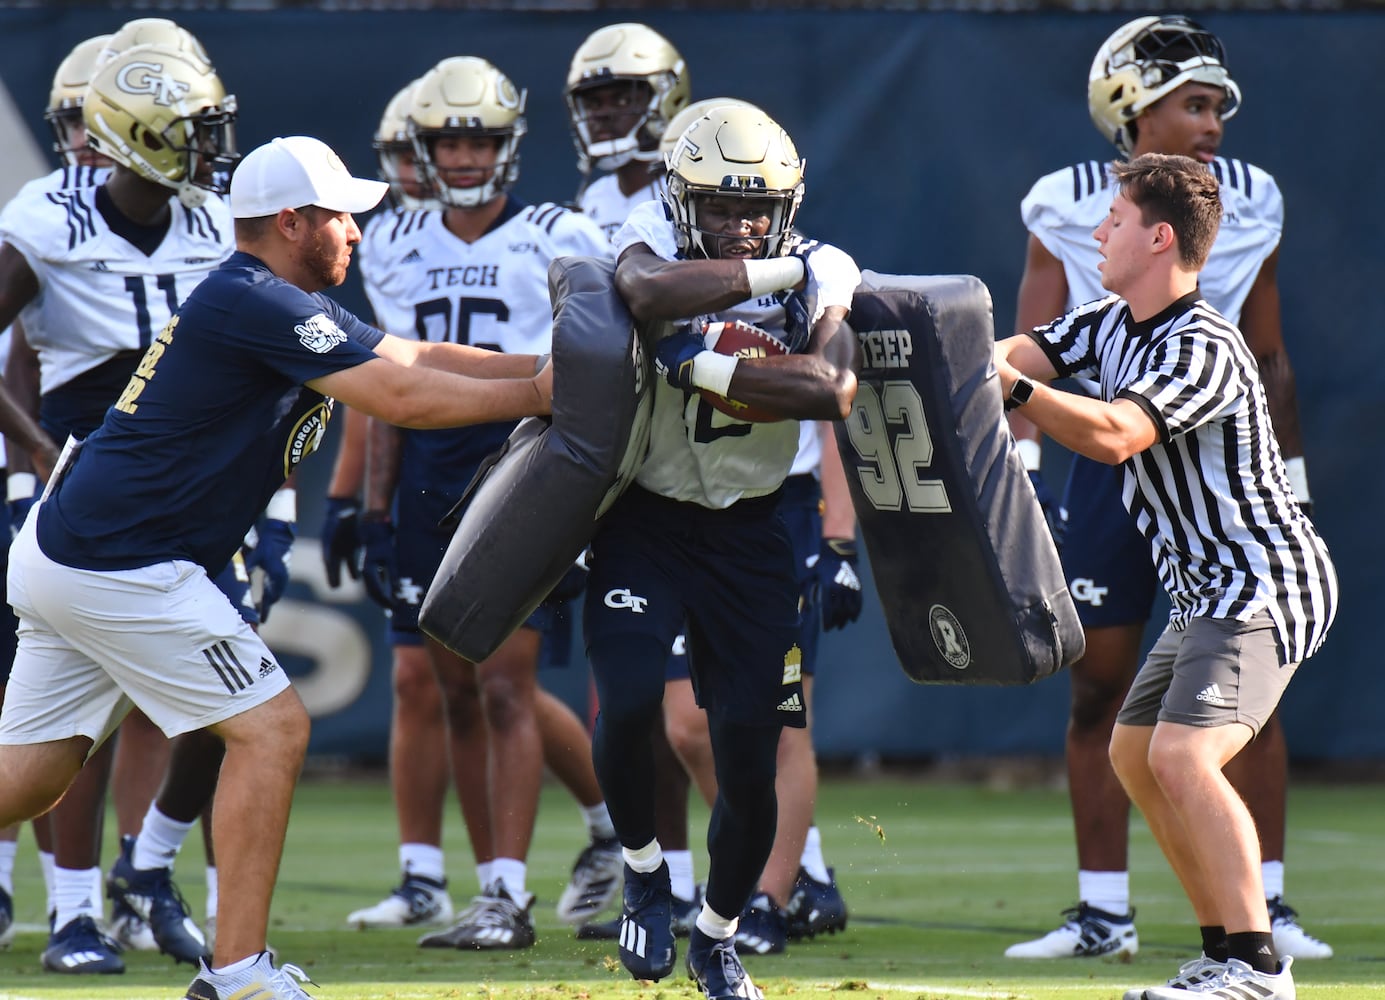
1212,495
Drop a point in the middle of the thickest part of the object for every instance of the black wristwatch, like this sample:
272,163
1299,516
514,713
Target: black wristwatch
1020,393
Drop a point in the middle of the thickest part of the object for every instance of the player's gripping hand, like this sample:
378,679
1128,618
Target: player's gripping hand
673,357
377,557
341,539
1048,503
839,585
271,556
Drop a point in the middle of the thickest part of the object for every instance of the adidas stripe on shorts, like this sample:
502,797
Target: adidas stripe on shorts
1214,672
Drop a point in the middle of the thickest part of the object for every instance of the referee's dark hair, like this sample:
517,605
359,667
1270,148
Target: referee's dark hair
1180,191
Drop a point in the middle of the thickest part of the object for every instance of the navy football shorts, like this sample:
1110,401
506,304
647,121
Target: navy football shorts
1107,562
726,578
419,545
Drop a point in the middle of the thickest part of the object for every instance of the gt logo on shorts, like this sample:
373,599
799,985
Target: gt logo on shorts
622,598
1086,590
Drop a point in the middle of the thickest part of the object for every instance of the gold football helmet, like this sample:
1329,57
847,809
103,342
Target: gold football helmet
680,122
734,152
1146,59
656,87
66,95
467,96
166,116
153,31
398,164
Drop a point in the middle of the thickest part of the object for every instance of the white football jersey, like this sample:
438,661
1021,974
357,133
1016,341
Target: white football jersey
1064,208
605,204
426,284
698,454
100,295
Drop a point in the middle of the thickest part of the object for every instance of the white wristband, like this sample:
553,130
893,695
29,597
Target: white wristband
20,486
283,505
713,371
1030,454
1298,478
771,275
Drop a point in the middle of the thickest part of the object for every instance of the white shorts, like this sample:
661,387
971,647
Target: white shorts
91,643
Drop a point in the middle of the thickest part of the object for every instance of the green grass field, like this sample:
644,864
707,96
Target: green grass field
940,878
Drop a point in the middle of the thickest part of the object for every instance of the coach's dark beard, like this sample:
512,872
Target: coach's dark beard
326,263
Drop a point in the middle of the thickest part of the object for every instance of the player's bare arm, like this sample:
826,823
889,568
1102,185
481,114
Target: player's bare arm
838,515
1043,295
819,384
1105,432
461,359
22,381
424,399
381,466
19,287
658,289
1261,327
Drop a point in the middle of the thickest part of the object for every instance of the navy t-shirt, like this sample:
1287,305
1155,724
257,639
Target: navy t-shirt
213,420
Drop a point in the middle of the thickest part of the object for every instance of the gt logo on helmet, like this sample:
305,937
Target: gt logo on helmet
150,78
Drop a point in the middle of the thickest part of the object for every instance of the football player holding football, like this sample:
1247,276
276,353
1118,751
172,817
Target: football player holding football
697,540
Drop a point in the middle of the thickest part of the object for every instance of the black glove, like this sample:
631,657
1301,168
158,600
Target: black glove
839,585
673,357
341,539
271,555
1053,510
377,558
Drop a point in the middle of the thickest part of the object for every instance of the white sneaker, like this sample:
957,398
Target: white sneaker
1088,933
596,878
1289,938
261,981
1191,976
1238,981
415,902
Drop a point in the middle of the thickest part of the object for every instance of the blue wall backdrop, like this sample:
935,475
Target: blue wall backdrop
921,133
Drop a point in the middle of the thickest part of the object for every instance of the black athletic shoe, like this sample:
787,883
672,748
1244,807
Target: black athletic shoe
815,907
646,924
151,893
716,968
763,928
79,948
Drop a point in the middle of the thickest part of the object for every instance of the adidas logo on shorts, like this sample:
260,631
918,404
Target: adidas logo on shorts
793,703
1212,695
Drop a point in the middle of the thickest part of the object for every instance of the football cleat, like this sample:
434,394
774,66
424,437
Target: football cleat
151,894
717,970
594,883
1237,981
684,911
131,931
6,919
416,902
262,981
646,924
80,948
763,928
493,921
1088,933
815,907
1289,938
1190,976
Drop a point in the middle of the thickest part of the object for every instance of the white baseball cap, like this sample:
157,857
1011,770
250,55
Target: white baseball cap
297,170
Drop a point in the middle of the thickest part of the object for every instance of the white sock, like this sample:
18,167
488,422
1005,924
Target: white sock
48,866
159,840
812,860
1109,891
483,874
598,820
422,859
680,873
510,873
73,896
645,859
211,890
1272,872
8,849
241,966
714,925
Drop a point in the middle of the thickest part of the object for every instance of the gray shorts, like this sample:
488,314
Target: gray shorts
1214,672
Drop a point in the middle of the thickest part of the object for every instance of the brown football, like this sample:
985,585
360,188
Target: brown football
741,340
